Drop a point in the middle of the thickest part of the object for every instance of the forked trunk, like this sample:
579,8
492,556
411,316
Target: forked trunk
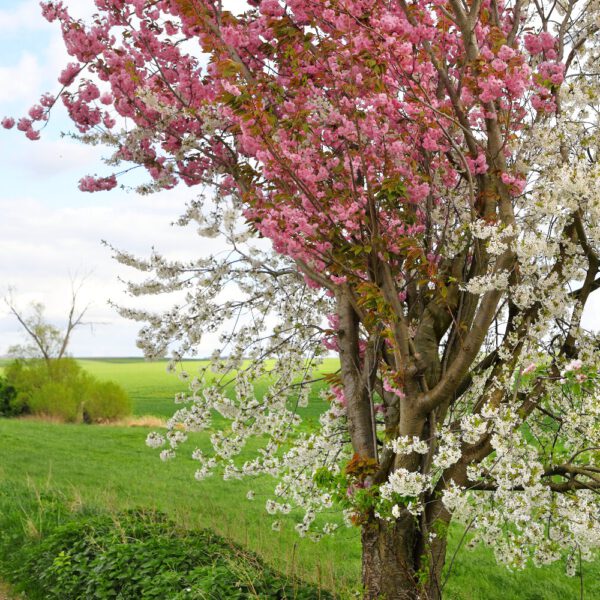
397,564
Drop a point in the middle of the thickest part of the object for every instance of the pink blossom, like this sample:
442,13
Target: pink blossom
499,65
89,92
517,81
271,8
388,387
8,122
339,395
36,112
311,283
69,73
430,142
491,89
338,280
547,40
506,53
479,165
106,98
96,184
108,121
47,100
232,89
52,10
514,183
32,134
487,53
539,104
24,124
533,44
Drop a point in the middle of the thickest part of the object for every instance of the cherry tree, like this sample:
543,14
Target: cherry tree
425,174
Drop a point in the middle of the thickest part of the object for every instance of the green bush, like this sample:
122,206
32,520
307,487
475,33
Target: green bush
131,555
55,399
105,400
8,404
60,388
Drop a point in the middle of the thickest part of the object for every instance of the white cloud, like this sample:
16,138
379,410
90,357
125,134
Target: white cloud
26,15
236,6
49,230
45,244
52,157
37,54
22,16
19,82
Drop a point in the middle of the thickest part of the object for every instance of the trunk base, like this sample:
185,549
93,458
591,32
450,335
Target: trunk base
388,566
391,566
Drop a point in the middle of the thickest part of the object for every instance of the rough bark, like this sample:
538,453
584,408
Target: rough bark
397,565
388,567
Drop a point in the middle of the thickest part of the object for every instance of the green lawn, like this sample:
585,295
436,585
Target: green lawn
149,385
110,467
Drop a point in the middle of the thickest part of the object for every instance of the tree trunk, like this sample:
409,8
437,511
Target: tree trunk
394,566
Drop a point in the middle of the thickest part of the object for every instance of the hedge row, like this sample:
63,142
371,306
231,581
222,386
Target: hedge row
61,389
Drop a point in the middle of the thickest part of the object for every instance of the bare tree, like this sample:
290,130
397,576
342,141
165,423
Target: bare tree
45,340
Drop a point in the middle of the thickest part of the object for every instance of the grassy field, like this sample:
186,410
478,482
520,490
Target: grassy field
110,467
152,389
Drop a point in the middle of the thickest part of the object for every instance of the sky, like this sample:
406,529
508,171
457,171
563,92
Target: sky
50,232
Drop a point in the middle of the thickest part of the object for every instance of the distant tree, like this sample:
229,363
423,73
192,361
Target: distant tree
42,338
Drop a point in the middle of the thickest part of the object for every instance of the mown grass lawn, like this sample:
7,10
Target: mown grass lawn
110,467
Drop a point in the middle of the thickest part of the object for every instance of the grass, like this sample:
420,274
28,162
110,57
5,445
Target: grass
110,467
152,389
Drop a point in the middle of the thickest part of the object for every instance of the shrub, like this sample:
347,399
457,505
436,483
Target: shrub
105,400
56,399
131,555
61,388
8,400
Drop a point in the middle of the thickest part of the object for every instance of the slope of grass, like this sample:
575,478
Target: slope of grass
152,389
148,384
56,551
111,467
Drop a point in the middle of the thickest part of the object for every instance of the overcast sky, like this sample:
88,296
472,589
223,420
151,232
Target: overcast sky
49,231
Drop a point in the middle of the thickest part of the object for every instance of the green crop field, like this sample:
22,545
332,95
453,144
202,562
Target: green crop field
110,467
152,389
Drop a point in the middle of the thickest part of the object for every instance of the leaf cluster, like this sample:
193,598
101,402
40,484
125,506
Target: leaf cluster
137,554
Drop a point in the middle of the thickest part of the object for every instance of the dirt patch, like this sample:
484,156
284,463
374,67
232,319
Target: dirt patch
132,421
140,421
7,594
